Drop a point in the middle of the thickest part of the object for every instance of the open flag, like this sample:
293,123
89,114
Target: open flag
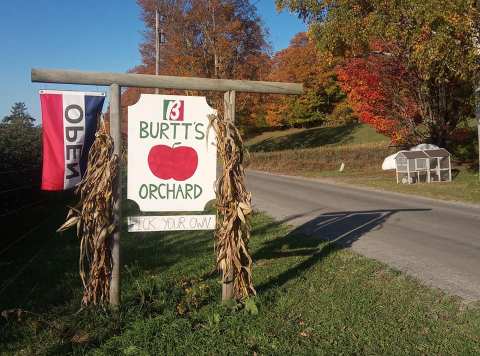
69,121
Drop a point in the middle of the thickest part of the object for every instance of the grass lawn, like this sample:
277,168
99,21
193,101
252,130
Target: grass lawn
464,188
312,298
314,137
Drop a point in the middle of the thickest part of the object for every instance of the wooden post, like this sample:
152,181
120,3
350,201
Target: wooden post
408,171
438,170
477,114
227,278
229,105
449,169
428,171
115,132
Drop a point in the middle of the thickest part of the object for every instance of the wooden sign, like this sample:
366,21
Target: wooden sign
171,223
145,122
172,154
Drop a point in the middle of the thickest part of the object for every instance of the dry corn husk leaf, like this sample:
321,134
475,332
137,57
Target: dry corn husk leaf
68,224
233,209
93,217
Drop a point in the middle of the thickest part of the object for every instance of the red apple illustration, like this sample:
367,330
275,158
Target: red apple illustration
179,163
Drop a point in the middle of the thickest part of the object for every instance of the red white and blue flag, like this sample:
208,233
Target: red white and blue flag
69,121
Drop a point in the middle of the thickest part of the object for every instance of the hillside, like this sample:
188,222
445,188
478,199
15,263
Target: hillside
314,137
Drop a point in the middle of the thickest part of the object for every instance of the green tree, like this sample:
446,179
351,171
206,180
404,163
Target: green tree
20,141
20,146
19,115
435,40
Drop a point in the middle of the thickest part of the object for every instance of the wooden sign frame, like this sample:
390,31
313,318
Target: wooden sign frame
117,80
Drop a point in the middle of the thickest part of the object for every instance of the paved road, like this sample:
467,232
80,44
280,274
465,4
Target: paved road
434,241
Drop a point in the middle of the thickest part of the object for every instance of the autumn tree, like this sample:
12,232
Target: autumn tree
379,90
432,41
301,62
206,38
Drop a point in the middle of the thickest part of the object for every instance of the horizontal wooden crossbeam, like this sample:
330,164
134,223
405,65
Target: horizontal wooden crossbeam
162,81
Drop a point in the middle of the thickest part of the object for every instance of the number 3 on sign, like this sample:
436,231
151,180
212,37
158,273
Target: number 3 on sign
173,110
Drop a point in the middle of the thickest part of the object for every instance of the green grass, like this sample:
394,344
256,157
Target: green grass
464,188
312,298
314,137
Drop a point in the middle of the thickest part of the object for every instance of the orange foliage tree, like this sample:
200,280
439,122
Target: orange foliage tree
301,62
205,38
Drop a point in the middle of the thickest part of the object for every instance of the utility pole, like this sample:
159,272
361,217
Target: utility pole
159,39
157,43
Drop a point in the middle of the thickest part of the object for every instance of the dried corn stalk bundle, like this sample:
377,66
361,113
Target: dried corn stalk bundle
93,217
233,210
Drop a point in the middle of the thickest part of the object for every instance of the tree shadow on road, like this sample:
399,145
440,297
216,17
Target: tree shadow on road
319,237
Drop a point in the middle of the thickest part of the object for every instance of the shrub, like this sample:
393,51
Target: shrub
20,146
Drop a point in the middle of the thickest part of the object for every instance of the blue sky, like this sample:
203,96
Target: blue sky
93,35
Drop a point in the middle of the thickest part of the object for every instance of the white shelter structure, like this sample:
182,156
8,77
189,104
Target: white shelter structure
423,166
389,162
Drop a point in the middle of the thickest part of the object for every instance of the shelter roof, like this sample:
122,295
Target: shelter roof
413,154
441,152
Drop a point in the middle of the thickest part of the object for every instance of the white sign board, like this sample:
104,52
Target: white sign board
172,153
171,223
